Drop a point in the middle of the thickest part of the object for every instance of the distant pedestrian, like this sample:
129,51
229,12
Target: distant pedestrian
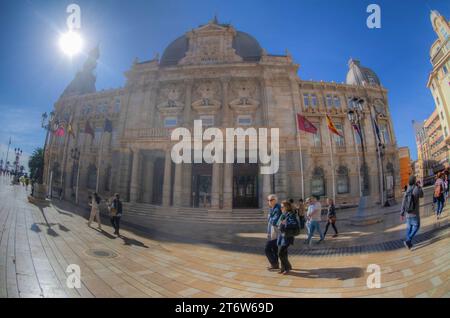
271,248
116,213
95,210
446,185
410,207
301,213
288,227
313,216
331,218
439,195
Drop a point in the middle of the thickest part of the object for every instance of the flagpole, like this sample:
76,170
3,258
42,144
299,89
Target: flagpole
299,140
99,162
7,152
332,167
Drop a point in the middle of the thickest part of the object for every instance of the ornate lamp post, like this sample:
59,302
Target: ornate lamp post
47,124
356,117
18,153
75,155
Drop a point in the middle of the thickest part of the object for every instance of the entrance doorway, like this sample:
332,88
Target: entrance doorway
245,186
201,185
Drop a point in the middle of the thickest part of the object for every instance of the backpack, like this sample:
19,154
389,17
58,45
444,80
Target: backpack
294,231
438,190
410,204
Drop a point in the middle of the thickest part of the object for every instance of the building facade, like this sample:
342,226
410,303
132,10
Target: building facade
439,77
405,165
223,77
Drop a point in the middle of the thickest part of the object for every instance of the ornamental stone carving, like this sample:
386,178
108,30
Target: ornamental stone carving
206,97
170,99
244,96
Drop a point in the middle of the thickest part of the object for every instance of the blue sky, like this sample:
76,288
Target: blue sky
320,34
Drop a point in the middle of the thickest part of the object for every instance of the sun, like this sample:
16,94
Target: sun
71,43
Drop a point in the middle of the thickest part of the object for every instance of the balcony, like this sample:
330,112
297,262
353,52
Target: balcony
148,133
316,149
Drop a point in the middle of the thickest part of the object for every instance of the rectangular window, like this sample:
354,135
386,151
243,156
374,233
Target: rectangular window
306,99
244,120
117,106
207,120
384,131
337,102
351,103
316,137
339,141
98,136
170,122
329,100
314,100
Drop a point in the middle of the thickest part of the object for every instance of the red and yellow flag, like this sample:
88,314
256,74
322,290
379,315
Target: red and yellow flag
331,126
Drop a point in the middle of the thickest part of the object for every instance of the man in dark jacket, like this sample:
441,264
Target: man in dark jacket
272,231
410,208
115,218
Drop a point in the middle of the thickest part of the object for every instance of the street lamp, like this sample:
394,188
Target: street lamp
356,116
47,123
75,155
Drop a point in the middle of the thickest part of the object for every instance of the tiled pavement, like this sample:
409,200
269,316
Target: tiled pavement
38,243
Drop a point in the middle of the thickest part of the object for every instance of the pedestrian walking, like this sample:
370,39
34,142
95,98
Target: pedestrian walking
301,213
271,248
313,216
288,227
331,218
438,195
410,209
115,211
95,211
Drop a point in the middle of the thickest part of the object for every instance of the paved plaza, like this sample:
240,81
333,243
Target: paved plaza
38,242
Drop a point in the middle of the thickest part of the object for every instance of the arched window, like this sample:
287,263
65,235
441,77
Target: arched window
318,182
92,177
342,180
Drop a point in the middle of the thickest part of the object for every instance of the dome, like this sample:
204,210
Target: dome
244,44
360,75
433,15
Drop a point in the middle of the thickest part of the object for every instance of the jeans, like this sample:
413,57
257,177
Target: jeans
412,227
115,221
313,226
283,254
440,205
272,252
328,225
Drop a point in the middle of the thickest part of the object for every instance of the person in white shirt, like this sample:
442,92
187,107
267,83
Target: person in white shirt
95,211
313,215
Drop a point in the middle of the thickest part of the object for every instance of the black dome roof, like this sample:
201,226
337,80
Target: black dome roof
244,44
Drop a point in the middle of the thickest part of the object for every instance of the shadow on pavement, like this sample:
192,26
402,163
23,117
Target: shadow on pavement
329,273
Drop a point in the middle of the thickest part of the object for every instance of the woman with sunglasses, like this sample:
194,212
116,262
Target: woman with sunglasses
287,222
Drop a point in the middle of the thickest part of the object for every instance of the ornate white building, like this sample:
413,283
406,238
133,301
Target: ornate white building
224,77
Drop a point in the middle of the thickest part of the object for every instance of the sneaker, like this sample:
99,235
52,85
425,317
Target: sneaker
407,244
285,272
335,235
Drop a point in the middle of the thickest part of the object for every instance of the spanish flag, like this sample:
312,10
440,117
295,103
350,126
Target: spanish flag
331,126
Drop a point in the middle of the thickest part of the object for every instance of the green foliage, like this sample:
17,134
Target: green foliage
36,165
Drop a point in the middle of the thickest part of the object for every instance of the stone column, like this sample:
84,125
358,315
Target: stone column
267,187
178,185
187,185
134,184
215,188
167,179
148,187
187,120
226,119
228,186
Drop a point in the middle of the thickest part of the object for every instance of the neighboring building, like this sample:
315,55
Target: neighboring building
405,166
439,77
432,151
222,76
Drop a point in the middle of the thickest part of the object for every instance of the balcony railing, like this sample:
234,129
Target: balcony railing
148,133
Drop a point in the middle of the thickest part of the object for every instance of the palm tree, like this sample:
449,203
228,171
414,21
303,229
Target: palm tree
36,165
